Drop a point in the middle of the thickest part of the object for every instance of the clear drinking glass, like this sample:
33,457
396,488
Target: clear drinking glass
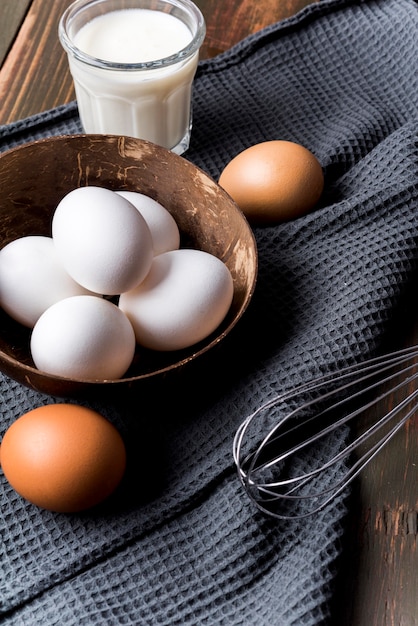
148,97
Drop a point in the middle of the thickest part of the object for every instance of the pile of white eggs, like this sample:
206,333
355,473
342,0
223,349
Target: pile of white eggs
110,277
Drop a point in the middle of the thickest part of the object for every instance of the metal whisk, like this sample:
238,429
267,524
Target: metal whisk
321,434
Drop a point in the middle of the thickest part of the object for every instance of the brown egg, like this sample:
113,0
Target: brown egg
274,181
63,457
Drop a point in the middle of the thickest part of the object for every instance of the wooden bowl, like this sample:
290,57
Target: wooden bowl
33,179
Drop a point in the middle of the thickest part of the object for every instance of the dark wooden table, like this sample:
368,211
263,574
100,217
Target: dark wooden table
379,582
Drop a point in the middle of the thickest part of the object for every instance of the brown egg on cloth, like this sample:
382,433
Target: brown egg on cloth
273,181
63,457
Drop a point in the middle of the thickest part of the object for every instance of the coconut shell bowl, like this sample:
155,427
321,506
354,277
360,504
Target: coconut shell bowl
34,178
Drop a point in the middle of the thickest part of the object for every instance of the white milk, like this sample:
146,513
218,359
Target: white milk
149,103
133,36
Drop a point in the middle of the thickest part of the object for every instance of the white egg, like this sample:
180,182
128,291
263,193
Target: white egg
183,299
32,278
102,240
163,226
83,337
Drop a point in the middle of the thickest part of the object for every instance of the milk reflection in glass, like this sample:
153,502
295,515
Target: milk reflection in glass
123,87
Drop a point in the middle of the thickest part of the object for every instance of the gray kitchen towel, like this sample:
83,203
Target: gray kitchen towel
181,543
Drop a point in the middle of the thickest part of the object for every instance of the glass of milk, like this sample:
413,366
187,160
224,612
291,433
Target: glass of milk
133,63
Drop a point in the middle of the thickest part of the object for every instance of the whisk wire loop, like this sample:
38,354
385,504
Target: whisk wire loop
274,472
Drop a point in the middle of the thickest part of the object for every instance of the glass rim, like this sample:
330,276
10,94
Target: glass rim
182,55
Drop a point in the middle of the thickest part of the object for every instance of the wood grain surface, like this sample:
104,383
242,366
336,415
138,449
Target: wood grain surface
11,18
379,576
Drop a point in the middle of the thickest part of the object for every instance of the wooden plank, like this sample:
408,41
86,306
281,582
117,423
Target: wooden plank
35,74
382,578
11,17
229,22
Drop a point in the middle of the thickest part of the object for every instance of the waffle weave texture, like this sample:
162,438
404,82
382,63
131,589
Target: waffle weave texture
181,544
